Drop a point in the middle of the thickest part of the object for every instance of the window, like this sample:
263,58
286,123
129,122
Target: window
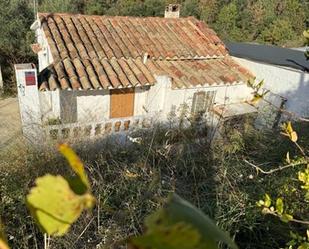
202,101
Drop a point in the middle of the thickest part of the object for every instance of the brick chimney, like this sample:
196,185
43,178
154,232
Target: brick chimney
172,11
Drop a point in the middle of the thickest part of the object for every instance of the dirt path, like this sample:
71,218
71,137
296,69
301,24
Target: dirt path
10,126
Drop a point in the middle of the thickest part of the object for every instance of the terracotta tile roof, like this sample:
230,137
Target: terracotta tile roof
90,37
94,52
122,73
88,74
197,73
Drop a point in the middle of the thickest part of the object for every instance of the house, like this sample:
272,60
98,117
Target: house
113,73
285,72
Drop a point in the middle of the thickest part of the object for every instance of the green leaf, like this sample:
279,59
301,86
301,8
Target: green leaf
304,245
177,236
75,163
55,206
286,218
267,201
279,205
178,220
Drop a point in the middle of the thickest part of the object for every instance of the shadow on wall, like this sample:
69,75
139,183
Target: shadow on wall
68,107
83,106
298,98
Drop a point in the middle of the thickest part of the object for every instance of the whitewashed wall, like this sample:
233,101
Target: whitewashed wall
290,83
140,100
159,101
175,98
84,106
50,105
157,96
29,103
92,106
45,57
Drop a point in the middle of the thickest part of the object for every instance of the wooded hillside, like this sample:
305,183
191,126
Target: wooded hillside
278,22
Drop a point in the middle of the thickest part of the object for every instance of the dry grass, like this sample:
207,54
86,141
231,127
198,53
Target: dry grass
132,181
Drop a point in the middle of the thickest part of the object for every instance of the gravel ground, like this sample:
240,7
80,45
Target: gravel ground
10,125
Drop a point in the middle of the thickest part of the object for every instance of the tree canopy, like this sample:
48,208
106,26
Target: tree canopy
277,22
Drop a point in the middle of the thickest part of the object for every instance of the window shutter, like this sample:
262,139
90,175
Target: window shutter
202,101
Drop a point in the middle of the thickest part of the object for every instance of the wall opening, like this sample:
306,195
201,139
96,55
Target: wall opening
122,103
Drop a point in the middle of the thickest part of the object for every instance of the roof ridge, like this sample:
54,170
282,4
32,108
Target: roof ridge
110,16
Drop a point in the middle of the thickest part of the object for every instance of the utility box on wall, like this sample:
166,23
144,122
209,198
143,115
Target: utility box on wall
29,103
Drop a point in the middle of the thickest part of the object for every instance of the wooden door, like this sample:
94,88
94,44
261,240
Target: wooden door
122,103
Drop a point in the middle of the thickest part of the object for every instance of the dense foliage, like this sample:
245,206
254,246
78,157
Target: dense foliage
279,22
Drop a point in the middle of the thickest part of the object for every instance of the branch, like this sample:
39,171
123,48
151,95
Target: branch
273,170
301,149
291,114
304,222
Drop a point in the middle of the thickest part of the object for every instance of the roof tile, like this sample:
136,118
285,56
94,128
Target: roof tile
93,52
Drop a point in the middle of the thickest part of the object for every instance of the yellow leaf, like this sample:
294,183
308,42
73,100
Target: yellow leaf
256,99
55,206
129,174
3,243
75,163
289,127
293,136
306,34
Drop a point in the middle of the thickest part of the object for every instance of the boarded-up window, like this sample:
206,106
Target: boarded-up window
202,101
122,103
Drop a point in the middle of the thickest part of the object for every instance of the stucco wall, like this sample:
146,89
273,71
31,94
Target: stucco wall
92,106
158,101
84,106
45,57
50,105
290,83
175,98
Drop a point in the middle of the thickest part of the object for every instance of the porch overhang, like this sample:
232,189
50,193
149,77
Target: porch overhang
232,110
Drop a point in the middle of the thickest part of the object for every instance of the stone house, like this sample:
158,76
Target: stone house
114,73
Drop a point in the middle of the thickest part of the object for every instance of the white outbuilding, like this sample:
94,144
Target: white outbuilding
100,74
285,72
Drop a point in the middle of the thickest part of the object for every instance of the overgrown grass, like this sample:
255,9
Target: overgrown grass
130,182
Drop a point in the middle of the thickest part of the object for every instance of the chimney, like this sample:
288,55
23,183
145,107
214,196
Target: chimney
172,11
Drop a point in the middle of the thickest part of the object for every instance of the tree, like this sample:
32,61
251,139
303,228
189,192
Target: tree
16,17
279,32
226,23
137,8
60,6
208,10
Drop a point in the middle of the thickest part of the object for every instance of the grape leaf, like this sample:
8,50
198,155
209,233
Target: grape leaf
286,218
55,206
175,236
180,225
267,201
3,243
75,163
279,205
288,129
